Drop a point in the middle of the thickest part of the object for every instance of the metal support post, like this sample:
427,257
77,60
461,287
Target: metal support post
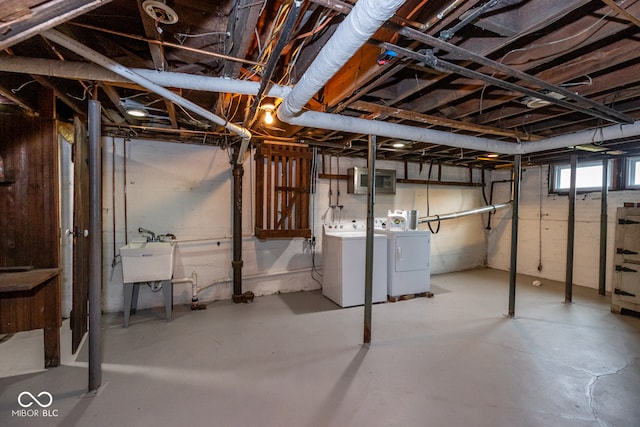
603,227
95,247
238,172
517,165
368,276
571,229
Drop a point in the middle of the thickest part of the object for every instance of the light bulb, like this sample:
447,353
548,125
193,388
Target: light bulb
137,112
268,117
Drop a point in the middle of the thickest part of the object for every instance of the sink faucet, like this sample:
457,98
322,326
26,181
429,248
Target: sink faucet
151,235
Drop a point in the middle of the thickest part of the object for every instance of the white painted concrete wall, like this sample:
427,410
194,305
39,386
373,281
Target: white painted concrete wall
460,244
542,235
186,190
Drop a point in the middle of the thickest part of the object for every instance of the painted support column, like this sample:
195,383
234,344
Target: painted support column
368,275
517,165
603,227
95,247
571,229
236,263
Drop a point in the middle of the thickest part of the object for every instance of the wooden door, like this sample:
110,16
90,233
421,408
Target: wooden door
79,310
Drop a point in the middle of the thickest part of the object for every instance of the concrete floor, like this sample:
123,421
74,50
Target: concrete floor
296,360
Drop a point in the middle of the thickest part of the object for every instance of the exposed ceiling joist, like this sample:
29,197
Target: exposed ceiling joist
44,16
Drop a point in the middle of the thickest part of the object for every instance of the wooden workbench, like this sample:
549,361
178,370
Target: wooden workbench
31,300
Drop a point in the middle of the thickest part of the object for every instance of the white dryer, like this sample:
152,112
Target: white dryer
408,269
344,260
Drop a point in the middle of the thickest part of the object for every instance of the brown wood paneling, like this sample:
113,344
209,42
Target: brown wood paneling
284,201
30,204
260,162
29,220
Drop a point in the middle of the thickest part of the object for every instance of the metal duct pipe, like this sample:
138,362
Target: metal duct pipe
454,215
95,247
86,71
123,71
404,132
366,17
584,137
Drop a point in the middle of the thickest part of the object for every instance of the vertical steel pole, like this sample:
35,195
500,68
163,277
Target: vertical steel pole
95,247
517,166
571,229
368,276
236,263
603,227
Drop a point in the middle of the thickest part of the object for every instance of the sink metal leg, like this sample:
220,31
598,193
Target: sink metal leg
134,301
131,291
167,291
128,296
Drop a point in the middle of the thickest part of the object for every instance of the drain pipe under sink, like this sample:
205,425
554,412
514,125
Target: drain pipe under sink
195,305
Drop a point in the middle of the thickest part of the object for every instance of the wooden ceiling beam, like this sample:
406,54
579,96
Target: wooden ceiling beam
46,15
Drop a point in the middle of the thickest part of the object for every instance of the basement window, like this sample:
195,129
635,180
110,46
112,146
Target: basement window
588,177
633,172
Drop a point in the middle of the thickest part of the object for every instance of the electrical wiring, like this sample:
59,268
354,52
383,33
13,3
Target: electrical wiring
554,42
210,33
319,25
19,88
187,113
551,43
278,23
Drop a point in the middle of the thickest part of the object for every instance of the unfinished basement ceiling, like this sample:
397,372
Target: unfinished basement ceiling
510,70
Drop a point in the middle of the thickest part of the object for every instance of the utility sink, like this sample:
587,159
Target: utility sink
147,261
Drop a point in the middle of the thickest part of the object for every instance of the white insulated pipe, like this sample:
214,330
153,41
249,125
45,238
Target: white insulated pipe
399,131
366,17
611,132
123,71
87,71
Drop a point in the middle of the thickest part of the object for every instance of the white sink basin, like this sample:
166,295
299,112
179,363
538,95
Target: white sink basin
147,261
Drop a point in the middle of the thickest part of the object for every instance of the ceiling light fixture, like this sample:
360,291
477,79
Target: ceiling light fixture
136,112
160,12
268,112
534,102
493,155
592,148
398,145
616,152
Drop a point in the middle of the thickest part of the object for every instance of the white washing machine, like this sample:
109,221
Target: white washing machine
408,269
344,260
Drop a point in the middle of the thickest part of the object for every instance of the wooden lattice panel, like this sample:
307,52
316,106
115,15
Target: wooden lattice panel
283,173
